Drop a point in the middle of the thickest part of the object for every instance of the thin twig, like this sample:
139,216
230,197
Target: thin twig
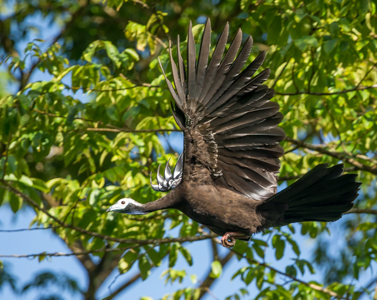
74,17
143,4
311,285
143,85
27,229
61,254
365,289
366,74
123,286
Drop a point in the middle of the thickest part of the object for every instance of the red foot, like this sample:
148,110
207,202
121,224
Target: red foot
229,239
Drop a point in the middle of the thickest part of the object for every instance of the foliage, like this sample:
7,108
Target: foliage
72,145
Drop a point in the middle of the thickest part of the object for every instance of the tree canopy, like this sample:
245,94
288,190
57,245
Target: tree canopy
72,145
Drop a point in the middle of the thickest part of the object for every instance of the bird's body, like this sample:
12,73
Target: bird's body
219,209
226,177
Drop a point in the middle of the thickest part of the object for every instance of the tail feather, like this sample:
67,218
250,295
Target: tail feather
323,194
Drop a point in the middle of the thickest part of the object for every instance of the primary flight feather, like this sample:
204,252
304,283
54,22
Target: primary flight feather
226,176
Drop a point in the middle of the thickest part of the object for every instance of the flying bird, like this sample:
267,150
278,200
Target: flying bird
226,177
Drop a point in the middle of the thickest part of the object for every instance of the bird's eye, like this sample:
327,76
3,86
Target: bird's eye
123,202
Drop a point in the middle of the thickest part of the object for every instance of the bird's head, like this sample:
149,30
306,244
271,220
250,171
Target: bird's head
127,206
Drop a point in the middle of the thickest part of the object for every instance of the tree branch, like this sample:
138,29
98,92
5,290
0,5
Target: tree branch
357,88
102,236
362,211
102,129
106,250
338,155
208,281
130,130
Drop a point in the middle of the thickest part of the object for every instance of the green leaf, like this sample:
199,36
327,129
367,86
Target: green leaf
306,41
173,255
12,163
258,249
144,267
39,184
330,45
15,202
93,197
90,50
154,256
216,269
279,245
186,254
111,51
127,261
3,195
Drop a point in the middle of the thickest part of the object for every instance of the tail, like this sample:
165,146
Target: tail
323,194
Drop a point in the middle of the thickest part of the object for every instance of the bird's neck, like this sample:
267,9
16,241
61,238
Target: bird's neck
168,201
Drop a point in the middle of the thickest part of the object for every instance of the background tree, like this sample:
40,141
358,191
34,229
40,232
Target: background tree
72,145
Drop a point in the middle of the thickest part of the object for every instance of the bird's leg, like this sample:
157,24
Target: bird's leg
229,238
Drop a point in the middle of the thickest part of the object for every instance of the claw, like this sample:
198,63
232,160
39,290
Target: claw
175,183
161,180
170,181
178,166
154,186
168,174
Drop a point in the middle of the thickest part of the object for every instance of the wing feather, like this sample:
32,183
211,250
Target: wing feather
177,80
226,64
203,58
191,60
234,71
230,124
181,65
177,100
215,61
239,82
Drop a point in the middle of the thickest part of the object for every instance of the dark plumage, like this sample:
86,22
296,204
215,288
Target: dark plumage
226,178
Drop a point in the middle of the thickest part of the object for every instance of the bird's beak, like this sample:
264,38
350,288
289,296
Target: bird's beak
114,207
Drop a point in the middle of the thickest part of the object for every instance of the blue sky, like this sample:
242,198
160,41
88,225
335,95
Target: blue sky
44,240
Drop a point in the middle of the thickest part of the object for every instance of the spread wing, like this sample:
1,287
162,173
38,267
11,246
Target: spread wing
227,114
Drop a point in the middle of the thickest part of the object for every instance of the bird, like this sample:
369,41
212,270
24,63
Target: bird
226,176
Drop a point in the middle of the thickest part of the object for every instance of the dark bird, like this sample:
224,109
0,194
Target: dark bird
226,177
